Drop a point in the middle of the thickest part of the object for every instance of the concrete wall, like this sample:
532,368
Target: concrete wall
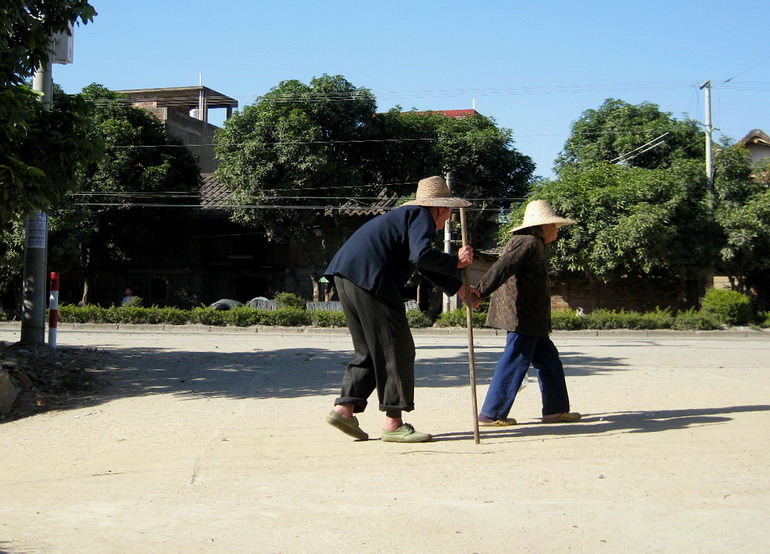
196,135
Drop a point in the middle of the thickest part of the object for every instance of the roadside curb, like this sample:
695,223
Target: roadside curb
734,333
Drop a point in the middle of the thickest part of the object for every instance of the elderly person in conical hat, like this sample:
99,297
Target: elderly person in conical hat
369,271
521,305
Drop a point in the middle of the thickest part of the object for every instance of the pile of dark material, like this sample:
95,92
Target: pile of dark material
37,378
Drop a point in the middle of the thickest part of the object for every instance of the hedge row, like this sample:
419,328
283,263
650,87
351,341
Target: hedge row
720,308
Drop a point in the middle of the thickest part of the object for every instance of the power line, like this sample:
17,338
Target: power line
246,206
745,71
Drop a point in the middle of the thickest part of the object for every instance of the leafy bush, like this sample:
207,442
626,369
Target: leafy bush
417,319
133,301
695,320
289,317
764,319
605,319
459,318
566,320
208,316
289,300
243,316
69,313
728,306
659,319
328,318
246,316
173,316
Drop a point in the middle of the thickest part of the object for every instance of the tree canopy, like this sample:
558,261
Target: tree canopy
633,221
635,135
41,151
304,146
99,223
654,213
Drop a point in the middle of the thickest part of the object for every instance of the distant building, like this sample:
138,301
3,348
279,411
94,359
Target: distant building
185,113
757,143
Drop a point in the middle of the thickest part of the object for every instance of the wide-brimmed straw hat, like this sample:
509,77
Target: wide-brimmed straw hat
540,212
433,191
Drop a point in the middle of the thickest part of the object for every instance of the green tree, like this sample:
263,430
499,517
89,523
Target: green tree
742,199
324,141
619,132
632,221
41,152
293,146
101,225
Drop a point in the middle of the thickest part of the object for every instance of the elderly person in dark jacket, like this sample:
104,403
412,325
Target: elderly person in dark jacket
369,271
521,304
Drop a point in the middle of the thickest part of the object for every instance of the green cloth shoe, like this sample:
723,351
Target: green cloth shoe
348,425
405,433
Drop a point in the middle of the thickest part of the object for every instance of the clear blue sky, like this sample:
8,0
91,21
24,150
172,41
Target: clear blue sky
534,66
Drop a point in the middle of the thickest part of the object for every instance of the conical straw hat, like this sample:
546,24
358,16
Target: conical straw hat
540,212
433,191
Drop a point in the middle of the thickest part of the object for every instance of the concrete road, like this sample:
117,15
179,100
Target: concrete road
214,440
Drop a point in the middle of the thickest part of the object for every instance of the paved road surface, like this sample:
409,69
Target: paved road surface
215,441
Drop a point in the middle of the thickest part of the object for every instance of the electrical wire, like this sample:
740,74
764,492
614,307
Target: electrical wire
248,206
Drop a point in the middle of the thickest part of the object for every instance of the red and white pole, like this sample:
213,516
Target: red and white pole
53,310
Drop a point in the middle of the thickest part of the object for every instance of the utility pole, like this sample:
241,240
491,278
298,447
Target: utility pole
36,224
36,243
448,245
706,86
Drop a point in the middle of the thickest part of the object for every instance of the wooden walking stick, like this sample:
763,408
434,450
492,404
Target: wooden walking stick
469,323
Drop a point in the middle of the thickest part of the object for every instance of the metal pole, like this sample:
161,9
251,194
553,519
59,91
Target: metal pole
469,324
36,244
53,310
447,307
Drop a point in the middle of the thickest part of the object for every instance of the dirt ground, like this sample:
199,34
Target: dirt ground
213,440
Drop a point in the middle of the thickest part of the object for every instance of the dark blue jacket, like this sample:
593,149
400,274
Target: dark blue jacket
382,254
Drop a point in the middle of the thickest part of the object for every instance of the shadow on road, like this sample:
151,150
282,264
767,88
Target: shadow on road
283,373
614,422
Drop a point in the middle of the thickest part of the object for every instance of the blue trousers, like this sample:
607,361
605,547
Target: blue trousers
520,352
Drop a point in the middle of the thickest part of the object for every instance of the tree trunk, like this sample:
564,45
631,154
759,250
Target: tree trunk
316,291
84,299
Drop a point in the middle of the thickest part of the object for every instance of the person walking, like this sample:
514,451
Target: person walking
368,272
521,304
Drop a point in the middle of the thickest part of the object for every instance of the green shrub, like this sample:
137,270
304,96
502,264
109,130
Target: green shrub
242,316
328,318
763,319
459,318
289,300
290,317
605,319
659,319
208,316
728,306
566,320
173,316
417,319
695,320
69,313
134,301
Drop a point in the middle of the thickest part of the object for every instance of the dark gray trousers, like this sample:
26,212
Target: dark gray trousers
384,351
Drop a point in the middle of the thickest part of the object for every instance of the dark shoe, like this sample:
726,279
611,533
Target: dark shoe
564,417
348,425
485,421
405,433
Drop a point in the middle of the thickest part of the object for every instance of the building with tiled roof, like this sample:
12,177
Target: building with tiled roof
757,143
